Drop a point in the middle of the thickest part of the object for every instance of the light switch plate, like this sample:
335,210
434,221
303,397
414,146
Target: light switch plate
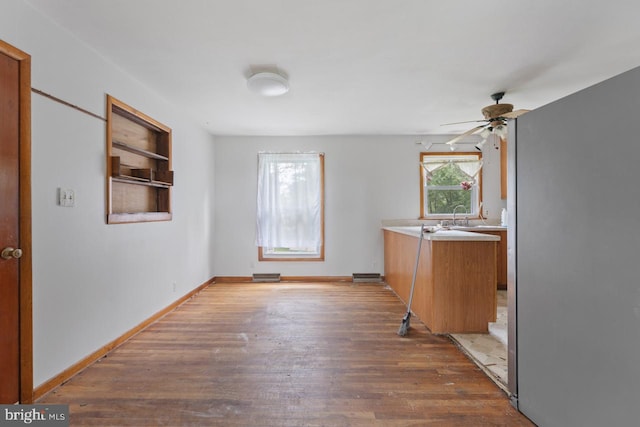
66,197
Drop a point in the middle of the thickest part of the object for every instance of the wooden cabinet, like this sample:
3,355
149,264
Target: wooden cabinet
455,283
139,174
501,255
503,168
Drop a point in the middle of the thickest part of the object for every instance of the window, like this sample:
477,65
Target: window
448,180
290,207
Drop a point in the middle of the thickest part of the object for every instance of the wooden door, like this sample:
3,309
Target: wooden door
9,209
15,227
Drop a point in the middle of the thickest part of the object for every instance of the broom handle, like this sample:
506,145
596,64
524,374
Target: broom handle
415,269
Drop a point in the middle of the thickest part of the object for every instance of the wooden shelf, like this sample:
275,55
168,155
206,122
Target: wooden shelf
144,176
139,151
140,181
128,217
139,175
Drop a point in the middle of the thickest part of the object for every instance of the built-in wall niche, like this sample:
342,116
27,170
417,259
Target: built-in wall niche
139,174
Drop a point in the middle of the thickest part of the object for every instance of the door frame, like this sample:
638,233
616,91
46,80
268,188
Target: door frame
25,280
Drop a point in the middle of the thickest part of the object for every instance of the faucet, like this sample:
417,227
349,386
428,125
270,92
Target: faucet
454,213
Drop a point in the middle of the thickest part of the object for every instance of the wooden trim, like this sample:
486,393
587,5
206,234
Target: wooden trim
503,168
109,181
125,218
422,173
233,279
322,206
135,116
74,369
310,279
26,318
68,104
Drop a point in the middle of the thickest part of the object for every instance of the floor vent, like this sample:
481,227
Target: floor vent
266,277
366,277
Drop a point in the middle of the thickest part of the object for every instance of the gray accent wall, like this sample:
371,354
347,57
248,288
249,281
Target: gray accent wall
578,257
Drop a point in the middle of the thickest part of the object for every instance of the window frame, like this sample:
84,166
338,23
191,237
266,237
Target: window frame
423,210
296,257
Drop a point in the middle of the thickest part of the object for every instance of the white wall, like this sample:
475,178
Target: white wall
367,179
91,281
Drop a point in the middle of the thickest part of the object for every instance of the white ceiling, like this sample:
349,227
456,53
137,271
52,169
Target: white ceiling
357,66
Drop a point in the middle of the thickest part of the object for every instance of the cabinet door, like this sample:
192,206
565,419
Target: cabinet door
501,256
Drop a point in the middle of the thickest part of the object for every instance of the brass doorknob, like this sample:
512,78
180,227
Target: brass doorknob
8,253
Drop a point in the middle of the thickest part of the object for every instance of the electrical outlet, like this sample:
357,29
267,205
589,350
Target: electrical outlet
174,286
66,197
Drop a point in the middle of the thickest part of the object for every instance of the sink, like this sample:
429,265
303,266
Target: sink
467,227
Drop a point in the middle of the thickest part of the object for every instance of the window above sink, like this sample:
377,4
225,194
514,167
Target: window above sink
450,180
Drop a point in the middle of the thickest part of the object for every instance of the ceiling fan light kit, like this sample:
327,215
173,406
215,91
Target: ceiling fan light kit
268,84
500,130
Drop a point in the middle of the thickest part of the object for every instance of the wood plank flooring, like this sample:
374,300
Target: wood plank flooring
286,354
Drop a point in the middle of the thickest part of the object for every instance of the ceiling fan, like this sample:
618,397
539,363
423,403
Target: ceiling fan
495,121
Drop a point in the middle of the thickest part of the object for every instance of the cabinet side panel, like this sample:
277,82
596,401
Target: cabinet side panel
464,286
400,256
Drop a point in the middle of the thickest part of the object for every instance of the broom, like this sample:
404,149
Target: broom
406,320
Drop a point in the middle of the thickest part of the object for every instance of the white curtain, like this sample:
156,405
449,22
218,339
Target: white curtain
434,165
289,200
470,167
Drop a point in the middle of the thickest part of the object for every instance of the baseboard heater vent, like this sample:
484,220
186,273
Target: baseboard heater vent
266,277
366,277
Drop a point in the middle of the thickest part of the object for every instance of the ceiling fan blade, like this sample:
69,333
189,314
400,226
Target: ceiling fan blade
514,114
461,123
467,133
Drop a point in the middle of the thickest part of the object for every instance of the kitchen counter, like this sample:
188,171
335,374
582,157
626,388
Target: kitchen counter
455,290
479,228
467,233
458,233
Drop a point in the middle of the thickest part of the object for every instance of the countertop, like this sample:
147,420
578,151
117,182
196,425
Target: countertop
457,234
478,228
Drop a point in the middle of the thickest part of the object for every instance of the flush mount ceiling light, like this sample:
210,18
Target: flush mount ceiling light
268,84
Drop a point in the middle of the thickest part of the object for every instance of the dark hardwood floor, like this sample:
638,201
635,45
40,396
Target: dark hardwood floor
286,354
